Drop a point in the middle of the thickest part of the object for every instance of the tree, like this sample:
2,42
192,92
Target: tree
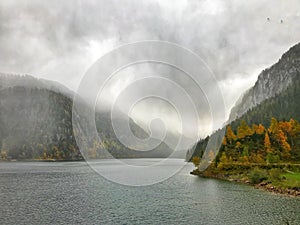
45,156
295,127
3,155
254,128
283,141
223,160
230,134
244,159
244,130
224,142
273,126
286,148
285,126
272,158
258,129
267,143
238,145
56,152
256,158
196,161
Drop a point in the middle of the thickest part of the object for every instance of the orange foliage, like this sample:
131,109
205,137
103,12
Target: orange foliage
230,134
267,143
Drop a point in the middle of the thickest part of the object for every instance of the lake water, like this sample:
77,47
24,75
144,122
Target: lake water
72,193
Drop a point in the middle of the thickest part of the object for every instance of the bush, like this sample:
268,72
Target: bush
275,174
257,176
271,158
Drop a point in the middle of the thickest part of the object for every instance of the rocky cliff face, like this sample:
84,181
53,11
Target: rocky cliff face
270,82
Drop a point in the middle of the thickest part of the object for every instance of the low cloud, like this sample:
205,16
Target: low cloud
59,40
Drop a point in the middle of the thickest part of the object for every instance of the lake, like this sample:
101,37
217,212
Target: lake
72,193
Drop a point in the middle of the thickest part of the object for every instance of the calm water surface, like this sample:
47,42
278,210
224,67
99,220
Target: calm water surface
72,193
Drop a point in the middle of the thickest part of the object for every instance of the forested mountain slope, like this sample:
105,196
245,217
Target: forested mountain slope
276,95
36,123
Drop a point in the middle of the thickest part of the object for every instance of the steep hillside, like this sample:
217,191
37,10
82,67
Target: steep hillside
270,82
283,106
275,94
36,123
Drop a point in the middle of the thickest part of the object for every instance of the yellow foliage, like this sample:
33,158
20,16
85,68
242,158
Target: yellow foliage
244,130
244,159
273,126
196,161
238,145
3,155
223,158
256,158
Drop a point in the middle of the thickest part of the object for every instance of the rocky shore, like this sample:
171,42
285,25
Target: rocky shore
278,190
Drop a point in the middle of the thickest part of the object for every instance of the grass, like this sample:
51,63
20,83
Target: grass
290,180
293,176
281,176
287,180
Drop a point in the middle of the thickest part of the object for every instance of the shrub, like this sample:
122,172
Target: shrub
271,158
257,176
275,174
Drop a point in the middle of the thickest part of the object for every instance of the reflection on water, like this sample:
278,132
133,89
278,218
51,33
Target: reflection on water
72,193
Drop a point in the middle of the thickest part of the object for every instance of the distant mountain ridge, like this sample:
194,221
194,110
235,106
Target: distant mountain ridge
12,80
270,82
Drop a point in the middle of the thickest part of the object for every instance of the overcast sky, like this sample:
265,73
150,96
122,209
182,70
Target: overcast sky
59,40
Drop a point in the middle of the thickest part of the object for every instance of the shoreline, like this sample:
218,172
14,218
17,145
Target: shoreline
42,160
266,186
78,160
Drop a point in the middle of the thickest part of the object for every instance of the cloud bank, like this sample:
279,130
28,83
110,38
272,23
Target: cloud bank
59,40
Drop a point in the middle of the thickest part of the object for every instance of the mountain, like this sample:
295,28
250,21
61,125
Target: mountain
276,94
36,122
282,106
271,81
13,80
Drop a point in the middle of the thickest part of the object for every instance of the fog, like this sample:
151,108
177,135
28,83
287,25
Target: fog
60,40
